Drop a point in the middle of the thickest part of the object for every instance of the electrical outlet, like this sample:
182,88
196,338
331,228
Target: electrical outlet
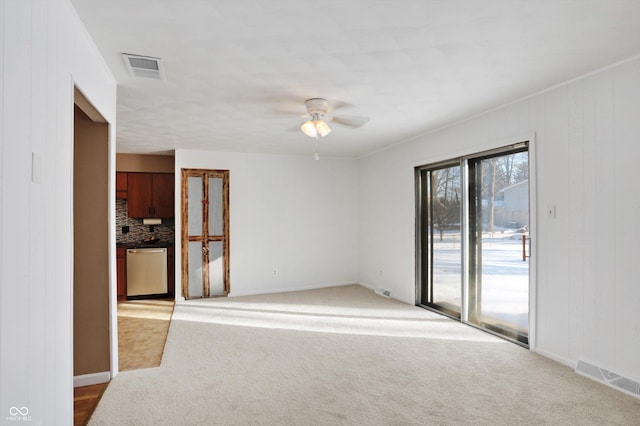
275,271
380,272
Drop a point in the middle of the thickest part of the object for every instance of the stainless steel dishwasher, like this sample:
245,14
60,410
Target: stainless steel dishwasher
146,271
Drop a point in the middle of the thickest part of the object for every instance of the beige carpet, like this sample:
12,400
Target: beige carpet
347,356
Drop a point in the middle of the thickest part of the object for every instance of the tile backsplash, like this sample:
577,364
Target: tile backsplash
139,232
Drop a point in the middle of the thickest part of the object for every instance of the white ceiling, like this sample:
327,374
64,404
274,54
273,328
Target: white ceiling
238,71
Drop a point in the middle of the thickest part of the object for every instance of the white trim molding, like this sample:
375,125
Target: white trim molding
91,379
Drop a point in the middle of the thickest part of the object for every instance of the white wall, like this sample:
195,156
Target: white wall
587,137
44,50
286,212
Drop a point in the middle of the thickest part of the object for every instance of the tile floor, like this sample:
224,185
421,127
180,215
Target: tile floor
142,331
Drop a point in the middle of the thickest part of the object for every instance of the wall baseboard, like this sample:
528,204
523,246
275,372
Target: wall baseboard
289,289
555,357
91,379
366,285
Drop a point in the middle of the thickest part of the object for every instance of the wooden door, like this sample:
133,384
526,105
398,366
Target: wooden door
205,233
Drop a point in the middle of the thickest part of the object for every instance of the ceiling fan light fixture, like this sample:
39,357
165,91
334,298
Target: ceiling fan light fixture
309,129
322,128
316,108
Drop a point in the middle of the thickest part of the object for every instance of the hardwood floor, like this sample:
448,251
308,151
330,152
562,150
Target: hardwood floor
142,332
85,400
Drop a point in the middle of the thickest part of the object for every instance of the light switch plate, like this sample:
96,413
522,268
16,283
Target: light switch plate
36,168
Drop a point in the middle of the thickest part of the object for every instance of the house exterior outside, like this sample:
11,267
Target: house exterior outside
513,209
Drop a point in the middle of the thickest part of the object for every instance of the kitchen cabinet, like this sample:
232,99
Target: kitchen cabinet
121,185
150,195
121,261
170,272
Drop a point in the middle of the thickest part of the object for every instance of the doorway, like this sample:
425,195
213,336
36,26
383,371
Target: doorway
473,236
92,348
205,233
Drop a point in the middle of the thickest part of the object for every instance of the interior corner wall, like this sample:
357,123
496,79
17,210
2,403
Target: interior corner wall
44,51
289,213
91,350
586,136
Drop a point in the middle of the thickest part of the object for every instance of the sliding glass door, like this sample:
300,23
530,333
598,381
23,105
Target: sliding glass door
473,240
440,236
498,285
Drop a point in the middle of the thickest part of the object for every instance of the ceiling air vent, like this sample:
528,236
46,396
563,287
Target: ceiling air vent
144,66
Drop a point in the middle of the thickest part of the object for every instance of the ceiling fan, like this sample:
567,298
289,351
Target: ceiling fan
318,111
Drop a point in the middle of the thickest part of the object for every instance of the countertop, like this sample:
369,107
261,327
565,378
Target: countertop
154,244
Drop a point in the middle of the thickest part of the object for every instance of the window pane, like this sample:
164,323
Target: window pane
195,205
215,207
499,277
195,269
216,269
441,239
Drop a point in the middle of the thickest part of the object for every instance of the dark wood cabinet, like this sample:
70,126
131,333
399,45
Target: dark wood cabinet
163,194
139,195
121,185
170,272
150,195
121,261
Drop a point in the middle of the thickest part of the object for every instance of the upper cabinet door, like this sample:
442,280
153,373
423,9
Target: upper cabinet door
139,195
163,192
121,185
150,195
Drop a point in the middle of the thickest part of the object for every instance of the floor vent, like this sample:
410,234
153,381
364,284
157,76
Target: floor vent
607,377
383,292
144,66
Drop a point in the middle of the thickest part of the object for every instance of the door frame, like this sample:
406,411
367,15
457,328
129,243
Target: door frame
80,98
533,226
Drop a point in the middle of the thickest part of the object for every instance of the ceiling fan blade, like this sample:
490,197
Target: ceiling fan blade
291,106
350,120
336,105
286,112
